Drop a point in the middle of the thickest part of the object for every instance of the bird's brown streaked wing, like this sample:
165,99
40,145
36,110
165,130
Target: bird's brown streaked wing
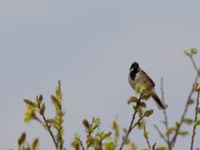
148,78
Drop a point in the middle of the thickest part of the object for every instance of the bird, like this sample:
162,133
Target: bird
142,84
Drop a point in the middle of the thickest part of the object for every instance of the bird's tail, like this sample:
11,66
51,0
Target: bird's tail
161,104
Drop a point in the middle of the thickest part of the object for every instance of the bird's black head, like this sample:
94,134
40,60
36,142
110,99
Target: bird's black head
134,66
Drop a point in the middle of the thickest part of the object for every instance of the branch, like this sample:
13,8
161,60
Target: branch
160,133
173,140
146,137
131,126
194,64
165,114
49,129
164,111
154,146
195,119
135,124
81,144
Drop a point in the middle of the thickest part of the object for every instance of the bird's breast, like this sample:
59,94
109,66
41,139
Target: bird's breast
141,85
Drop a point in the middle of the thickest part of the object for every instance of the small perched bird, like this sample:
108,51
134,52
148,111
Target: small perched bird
144,85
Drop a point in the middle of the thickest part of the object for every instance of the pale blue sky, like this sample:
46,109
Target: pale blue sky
89,45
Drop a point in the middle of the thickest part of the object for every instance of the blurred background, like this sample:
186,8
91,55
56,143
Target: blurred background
89,45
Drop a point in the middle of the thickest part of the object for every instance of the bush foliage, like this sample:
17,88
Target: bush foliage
102,140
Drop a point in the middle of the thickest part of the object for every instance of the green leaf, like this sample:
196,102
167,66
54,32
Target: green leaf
90,141
35,144
148,113
170,130
132,99
187,121
100,133
196,87
42,109
56,102
86,123
110,145
30,103
140,111
95,122
58,91
124,130
106,135
132,146
90,130
142,104
114,125
22,139
29,114
141,124
76,145
76,136
196,123
134,108
146,134
177,125
193,50
183,133
190,102
161,148
39,99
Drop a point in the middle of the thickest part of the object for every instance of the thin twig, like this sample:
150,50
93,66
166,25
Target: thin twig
50,132
137,122
164,111
194,64
37,119
195,119
165,114
46,124
146,137
160,133
154,146
131,126
116,132
81,143
129,130
173,140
